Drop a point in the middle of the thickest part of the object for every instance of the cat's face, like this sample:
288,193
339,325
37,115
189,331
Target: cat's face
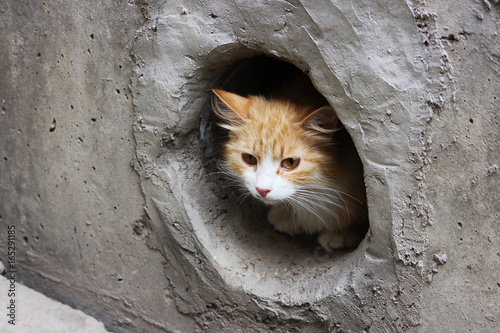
275,147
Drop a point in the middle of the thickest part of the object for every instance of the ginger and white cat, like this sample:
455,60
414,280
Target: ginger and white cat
289,151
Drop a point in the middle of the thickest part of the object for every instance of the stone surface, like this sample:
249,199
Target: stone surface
66,181
38,313
462,148
108,163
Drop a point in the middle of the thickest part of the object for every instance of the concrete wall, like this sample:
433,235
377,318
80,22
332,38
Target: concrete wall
107,164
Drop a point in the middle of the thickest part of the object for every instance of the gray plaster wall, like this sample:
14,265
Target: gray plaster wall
108,164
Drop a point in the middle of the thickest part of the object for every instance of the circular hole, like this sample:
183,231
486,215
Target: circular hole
247,247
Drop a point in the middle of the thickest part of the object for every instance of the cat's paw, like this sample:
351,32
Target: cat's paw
339,240
282,220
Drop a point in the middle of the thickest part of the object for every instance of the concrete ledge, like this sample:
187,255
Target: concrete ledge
35,312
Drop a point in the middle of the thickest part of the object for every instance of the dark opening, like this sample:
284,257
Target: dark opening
258,75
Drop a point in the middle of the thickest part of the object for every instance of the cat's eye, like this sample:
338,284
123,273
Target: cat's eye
249,159
290,163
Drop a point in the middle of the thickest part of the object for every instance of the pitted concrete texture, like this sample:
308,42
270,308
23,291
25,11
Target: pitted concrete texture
108,166
35,312
372,74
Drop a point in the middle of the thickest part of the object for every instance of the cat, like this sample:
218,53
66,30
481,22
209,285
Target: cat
290,151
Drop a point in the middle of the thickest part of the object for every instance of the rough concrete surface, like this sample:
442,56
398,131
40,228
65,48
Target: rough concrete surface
108,164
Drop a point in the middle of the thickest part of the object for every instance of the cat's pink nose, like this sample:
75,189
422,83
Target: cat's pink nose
263,192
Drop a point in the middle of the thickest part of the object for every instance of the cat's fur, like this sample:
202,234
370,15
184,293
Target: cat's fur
324,193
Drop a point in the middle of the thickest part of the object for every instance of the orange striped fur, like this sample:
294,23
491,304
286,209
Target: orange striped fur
325,192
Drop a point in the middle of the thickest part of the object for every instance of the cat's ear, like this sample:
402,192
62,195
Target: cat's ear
231,107
323,120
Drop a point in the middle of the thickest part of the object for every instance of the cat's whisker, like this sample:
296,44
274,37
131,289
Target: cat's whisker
295,203
215,173
241,199
338,195
319,197
346,209
232,182
345,206
237,186
332,193
307,205
329,189
229,177
324,208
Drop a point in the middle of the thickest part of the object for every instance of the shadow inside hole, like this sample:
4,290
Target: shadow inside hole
257,75
264,76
